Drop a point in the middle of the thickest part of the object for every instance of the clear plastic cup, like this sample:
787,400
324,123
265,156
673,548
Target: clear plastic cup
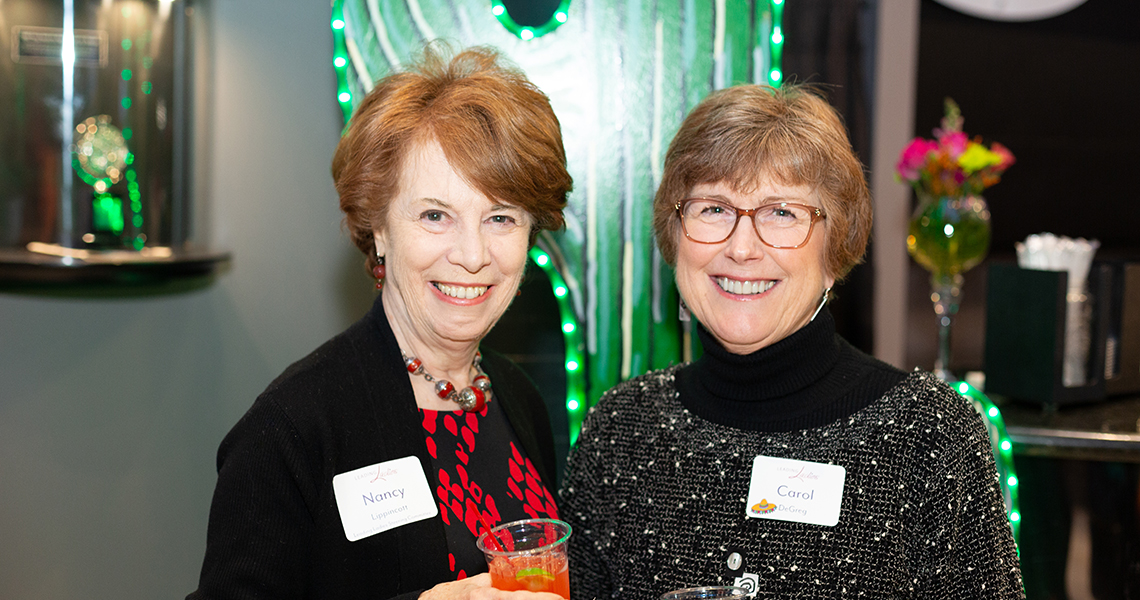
711,592
530,555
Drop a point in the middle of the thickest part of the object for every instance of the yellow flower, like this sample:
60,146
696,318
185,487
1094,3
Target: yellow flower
977,157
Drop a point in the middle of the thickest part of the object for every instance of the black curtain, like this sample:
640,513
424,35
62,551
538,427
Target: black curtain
831,43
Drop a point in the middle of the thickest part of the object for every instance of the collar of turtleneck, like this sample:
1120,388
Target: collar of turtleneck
805,380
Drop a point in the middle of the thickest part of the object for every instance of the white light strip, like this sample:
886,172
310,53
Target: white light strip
421,22
592,244
627,226
358,65
658,102
655,158
67,120
104,256
465,22
627,308
719,79
382,35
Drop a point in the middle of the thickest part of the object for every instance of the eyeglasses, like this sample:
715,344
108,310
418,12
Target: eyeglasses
779,225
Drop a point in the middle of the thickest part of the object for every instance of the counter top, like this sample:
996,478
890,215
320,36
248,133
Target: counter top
1107,430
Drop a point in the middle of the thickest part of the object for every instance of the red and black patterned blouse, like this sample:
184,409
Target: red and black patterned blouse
480,466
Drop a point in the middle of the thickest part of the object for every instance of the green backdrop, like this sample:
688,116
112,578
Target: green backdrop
621,75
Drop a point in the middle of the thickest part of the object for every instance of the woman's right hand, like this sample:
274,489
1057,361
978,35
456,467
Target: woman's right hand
479,588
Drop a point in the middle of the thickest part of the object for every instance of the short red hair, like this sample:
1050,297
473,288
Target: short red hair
495,127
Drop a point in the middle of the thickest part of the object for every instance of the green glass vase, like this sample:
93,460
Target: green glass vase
948,236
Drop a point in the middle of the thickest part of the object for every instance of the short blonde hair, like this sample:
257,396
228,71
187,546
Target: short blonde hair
746,134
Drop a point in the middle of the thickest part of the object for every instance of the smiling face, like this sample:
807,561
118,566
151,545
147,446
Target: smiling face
454,258
747,294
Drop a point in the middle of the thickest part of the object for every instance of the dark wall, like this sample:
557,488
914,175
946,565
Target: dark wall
530,334
831,44
1063,95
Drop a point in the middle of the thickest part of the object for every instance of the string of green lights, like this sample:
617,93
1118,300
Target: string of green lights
572,340
98,139
133,195
560,16
776,43
1002,447
340,60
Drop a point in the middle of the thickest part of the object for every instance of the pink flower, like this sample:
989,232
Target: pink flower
955,143
951,164
1007,158
913,157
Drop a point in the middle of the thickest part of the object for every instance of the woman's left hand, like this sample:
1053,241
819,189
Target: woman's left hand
479,588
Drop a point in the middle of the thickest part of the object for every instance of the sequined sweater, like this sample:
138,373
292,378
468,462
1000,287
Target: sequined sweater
656,486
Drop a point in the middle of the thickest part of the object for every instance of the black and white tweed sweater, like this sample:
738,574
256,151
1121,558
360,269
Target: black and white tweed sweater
657,494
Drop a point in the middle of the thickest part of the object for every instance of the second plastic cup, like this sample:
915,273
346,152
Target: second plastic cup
530,555
723,592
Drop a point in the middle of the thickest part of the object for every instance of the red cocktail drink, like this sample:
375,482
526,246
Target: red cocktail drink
528,555
547,573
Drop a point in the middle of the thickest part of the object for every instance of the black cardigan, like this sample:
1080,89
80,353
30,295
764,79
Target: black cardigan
274,529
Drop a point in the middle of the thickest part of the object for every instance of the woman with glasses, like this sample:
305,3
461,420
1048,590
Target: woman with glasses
783,459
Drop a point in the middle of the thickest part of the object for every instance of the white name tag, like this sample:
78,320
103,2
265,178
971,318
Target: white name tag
383,496
794,490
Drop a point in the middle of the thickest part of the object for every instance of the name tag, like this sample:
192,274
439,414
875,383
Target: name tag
794,490
383,496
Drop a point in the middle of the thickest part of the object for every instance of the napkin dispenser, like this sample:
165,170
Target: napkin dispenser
1025,334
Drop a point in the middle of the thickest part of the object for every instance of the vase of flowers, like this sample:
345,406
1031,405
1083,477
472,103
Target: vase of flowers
949,232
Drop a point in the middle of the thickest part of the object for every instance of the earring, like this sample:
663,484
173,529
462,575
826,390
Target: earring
683,312
821,303
379,273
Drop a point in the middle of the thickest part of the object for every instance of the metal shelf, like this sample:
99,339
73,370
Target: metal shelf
52,265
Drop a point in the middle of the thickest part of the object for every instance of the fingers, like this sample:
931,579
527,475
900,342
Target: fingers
532,596
479,587
482,579
472,588
517,595
490,593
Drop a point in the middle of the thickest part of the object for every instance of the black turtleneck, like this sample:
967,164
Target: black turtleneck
806,380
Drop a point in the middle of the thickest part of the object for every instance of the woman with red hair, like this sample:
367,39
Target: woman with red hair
367,469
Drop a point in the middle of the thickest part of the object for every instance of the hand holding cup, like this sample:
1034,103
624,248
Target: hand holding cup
528,555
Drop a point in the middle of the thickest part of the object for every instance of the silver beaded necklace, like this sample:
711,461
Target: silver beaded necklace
471,398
